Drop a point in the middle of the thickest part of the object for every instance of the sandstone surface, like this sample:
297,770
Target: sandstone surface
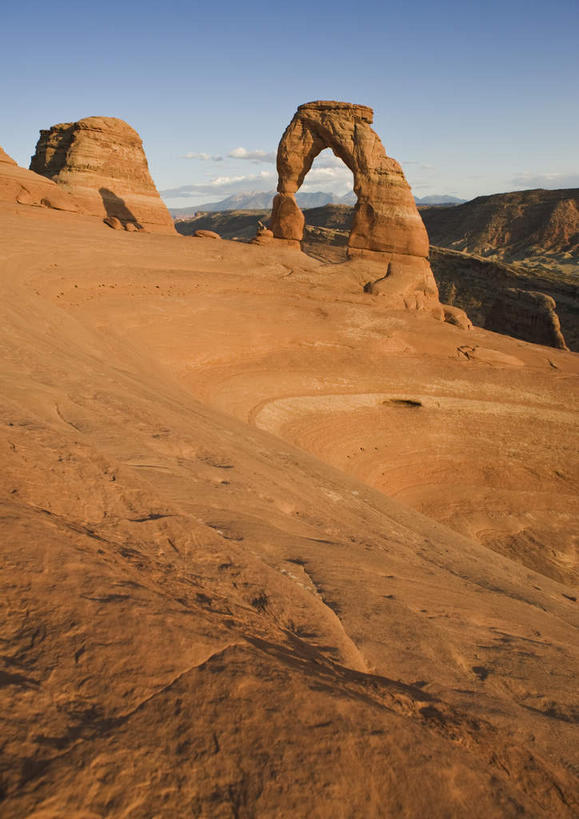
471,283
5,158
101,161
386,224
269,549
27,188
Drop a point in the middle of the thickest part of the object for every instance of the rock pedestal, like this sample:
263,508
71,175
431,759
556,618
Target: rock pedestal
101,161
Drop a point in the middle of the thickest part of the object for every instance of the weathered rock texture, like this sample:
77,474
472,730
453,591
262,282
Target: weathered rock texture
101,161
206,234
528,315
209,605
535,306
510,226
28,188
5,158
386,222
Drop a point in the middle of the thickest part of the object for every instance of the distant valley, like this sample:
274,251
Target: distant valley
258,200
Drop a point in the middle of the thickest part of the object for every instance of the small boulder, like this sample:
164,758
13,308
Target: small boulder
113,222
264,236
206,234
456,316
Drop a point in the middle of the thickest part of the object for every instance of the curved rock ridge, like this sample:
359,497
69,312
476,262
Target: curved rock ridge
5,158
27,188
101,161
387,226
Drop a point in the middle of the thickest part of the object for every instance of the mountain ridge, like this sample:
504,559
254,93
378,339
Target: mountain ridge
260,200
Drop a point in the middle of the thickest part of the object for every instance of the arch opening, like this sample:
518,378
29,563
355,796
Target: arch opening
385,218
327,198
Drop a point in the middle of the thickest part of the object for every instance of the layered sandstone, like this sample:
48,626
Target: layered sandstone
387,226
28,188
534,305
101,161
510,226
200,618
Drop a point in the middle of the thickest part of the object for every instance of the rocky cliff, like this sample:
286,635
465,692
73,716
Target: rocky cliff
538,307
101,161
510,226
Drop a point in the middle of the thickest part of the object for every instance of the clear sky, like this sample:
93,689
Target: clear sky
471,98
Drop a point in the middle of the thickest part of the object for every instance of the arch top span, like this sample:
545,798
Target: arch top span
362,112
386,219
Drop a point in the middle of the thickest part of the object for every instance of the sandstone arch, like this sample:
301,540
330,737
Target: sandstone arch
386,219
387,229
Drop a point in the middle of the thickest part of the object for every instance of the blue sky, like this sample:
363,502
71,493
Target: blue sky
471,98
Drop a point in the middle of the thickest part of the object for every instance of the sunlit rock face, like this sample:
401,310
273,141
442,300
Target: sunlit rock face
386,218
101,161
27,188
387,227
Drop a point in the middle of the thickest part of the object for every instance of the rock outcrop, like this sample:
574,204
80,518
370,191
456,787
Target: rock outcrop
5,158
526,314
386,218
263,235
27,188
101,161
529,305
510,226
387,226
206,234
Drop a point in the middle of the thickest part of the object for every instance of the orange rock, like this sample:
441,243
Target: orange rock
27,188
264,236
386,217
113,222
387,227
206,234
101,161
457,316
5,158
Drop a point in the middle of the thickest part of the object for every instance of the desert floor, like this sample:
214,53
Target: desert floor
269,548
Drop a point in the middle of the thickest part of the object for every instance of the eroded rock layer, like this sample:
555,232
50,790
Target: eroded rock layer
511,226
210,606
28,188
101,161
545,309
386,218
387,226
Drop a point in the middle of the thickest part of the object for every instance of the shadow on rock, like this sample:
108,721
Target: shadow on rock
117,209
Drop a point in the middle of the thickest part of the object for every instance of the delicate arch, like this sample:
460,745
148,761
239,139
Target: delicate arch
386,219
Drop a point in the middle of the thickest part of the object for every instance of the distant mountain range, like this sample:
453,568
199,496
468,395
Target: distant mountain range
259,200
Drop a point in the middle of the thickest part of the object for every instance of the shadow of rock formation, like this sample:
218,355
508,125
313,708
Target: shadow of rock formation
116,208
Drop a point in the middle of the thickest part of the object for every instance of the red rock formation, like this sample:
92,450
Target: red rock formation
101,161
510,226
206,234
386,217
387,226
5,158
28,188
